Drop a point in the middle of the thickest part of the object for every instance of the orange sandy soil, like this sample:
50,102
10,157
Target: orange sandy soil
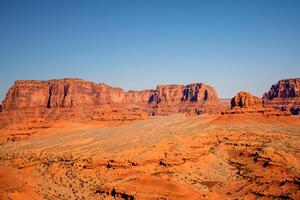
172,157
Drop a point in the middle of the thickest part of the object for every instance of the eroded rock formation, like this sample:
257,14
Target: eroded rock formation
76,98
192,98
284,96
286,88
65,93
244,102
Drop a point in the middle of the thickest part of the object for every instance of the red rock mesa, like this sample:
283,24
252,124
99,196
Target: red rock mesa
284,95
244,102
77,99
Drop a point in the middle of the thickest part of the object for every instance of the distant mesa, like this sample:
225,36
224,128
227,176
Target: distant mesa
284,96
286,88
78,99
193,99
246,103
246,100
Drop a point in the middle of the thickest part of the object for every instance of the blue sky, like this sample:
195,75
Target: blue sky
230,45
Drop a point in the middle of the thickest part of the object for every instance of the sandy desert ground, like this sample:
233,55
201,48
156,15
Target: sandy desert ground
165,157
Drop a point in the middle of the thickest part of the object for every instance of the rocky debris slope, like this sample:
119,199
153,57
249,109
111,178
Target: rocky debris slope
78,99
284,96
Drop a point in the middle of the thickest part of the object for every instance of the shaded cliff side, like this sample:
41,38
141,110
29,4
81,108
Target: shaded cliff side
284,96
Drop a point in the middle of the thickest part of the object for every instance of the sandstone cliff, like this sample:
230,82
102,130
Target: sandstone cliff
244,102
193,98
284,96
79,99
65,93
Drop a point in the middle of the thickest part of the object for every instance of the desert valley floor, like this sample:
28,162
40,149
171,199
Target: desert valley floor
247,156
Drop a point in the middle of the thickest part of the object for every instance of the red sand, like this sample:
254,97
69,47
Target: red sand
248,156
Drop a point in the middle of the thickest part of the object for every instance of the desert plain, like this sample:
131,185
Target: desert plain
250,150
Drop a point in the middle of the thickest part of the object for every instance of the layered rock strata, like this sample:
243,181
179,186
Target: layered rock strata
246,103
84,100
284,96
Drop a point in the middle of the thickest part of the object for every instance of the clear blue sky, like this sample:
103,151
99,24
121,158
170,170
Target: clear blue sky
231,45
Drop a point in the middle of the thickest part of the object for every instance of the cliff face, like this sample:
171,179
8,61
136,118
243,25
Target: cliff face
193,99
246,100
63,98
66,93
189,93
287,88
284,95
246,103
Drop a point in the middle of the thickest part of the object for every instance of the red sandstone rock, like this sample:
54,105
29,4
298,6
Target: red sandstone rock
245,103
76,98
246,100
65,93
284,96
193,98
286,88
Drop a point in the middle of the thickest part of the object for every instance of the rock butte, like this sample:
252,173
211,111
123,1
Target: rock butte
284,95
282,99
77,99
244,102
80,100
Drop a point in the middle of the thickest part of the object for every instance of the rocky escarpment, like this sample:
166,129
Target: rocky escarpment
284,96
66,93
76,98
65,99
192,98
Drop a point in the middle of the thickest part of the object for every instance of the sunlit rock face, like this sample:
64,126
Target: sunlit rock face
77,98
284,96
246,100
